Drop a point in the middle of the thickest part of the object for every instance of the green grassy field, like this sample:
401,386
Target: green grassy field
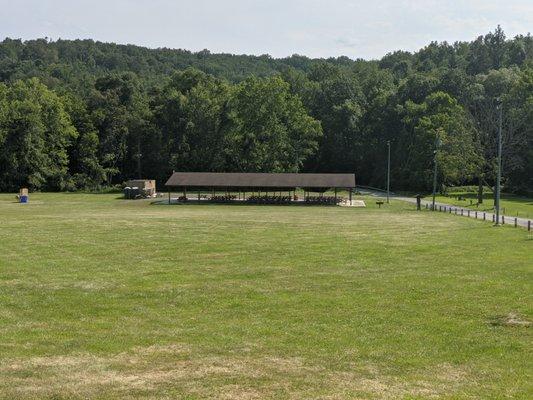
104,298
514,206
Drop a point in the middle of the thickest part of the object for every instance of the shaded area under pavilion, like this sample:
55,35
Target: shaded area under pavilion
261,183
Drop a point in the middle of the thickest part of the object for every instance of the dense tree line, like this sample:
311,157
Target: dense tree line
83,114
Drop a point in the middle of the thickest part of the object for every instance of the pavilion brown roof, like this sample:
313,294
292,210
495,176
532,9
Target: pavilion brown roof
260,180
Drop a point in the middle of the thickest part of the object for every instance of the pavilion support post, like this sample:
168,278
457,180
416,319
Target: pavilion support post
350,191
185,192
335,195
168,196
199,195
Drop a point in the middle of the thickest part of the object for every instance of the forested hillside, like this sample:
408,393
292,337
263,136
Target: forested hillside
84,115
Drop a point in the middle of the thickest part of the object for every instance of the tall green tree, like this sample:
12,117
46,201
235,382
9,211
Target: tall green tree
35,134
84,164
508,87
191,112
439,124
270,130
120,112
335,99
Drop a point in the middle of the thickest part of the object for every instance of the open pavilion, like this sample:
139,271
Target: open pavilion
210,182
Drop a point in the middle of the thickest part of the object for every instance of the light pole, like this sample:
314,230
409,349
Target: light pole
499,171
437,144
388,171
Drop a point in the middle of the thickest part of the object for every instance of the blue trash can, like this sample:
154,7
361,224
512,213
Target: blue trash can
23,198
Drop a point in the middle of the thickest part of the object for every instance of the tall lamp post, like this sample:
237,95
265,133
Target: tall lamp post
437,145
388,171
499,171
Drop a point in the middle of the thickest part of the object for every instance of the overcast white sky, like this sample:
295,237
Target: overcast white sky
316,28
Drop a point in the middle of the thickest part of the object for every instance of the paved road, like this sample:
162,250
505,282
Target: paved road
466,212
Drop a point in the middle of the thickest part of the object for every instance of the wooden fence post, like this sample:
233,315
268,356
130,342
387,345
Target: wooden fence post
515,222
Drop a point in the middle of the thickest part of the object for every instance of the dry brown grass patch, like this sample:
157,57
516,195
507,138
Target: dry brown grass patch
511,320
157,368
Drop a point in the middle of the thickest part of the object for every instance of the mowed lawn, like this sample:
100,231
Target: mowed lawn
512,205
105,298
